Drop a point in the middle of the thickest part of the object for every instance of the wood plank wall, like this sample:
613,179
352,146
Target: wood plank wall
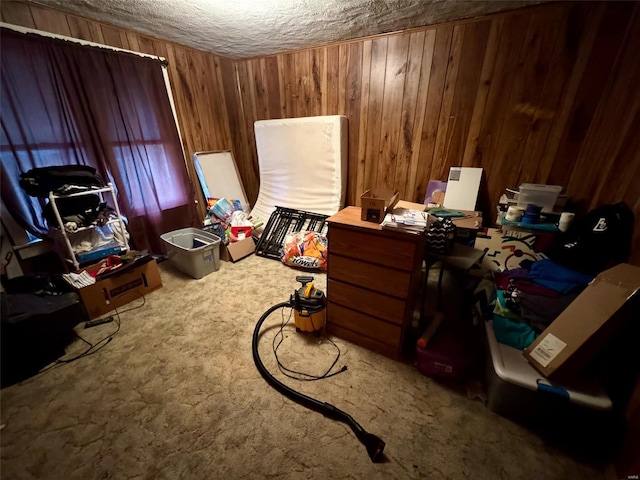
547,94
195,77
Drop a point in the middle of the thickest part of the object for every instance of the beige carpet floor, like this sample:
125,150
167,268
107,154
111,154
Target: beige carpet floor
176,395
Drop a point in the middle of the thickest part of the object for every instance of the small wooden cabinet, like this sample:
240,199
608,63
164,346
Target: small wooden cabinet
373,282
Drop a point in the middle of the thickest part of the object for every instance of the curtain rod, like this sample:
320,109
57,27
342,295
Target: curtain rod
20,29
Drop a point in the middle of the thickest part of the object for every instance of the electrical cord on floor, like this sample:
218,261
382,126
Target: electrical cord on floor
144,301
296,375
93,348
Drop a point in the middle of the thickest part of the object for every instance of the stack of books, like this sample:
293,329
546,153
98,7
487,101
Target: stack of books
405,219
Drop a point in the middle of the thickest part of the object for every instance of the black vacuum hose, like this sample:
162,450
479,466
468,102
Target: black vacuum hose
373,444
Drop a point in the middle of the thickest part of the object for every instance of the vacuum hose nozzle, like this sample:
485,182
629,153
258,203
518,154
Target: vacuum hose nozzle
373,444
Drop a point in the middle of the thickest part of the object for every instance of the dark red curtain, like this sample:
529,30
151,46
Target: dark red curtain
63,103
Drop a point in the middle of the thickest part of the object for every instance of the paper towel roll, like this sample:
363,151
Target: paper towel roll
565,221
514,214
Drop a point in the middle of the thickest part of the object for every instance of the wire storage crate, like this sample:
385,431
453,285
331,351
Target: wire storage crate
284,221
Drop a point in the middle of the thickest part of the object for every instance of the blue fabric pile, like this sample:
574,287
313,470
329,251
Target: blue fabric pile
529,299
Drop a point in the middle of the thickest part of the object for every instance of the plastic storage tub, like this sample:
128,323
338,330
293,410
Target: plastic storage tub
193,251
581,416
544,196
516,389
448,354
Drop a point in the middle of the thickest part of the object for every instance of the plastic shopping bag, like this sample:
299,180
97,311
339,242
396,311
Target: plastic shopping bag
305,250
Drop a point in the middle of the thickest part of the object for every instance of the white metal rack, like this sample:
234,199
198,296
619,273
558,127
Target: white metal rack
101,191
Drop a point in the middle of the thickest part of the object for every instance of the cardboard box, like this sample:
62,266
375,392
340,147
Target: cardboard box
374,207
234,251
120,288
588,324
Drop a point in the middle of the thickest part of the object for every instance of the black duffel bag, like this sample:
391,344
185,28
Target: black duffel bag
61,180
599,240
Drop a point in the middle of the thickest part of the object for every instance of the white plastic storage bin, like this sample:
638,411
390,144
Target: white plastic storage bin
516,389
193,251
544,196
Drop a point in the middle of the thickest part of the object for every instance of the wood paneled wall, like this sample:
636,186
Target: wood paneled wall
195,77
547,94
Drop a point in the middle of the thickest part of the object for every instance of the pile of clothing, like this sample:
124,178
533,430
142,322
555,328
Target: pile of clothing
527,300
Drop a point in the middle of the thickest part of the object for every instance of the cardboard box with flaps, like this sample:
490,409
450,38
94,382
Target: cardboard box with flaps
374,208
120,287
588,324
234,251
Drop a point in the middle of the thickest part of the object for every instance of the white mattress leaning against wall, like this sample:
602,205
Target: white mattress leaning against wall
303,164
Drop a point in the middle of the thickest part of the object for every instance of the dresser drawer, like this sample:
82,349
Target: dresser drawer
372,247
366,301
362,324
365,342
367,275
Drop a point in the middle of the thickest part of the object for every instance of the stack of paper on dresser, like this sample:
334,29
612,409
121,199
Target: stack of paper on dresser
412,221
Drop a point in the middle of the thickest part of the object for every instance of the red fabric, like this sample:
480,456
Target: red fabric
110,263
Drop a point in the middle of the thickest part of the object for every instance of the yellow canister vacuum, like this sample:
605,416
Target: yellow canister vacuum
309,306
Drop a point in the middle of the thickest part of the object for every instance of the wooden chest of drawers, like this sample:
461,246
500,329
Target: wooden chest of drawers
373,282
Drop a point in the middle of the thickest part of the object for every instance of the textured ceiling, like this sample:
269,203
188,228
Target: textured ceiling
245,28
